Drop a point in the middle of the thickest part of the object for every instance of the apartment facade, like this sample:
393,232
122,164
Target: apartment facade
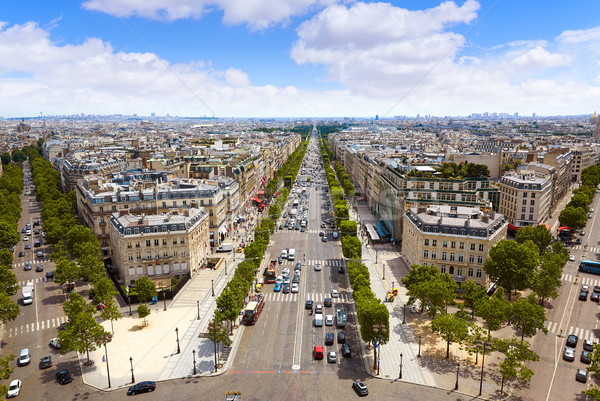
525,198
161,247
455,239
583,157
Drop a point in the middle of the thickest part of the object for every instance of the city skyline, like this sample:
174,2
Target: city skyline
321,58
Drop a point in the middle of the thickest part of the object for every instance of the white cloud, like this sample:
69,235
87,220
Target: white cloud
257,14
540,58
579,36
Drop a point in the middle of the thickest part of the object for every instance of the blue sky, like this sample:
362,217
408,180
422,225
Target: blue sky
254,58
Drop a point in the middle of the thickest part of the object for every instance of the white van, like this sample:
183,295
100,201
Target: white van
291,254
318,320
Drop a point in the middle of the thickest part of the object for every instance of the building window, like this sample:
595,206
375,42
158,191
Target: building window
443,269
148,254
461,257
451,256
472,247
425,253
148,243
138,255
426,242
114,208
164,204
532,203
480,247
137,244
531,210
522,217
184,203
175,253
524,194
444,255
433,254
461,245
147,230
525,201
533,195
174,241
479,260
445,244
478,274
524,209
101,208
459,271
434,242
453,244
530,217
174,203
471,258
164,241
182,240
129,245
165,254
470,272
156,242
130,256
451,271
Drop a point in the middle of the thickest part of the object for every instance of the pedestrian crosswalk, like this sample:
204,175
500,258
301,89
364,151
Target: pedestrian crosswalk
590,249
322,262
33,262
315,297
581,279
31,327
582,334
35,280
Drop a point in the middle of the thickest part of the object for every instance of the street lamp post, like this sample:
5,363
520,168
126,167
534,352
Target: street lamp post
419,354
404,314
177,334
194,355
457,373
129,301
379,330
198,304
400,375
131,363
212,286
106,357
482,363
383,268
164,300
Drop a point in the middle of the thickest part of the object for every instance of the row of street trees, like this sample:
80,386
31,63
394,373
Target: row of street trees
11,186
77,256
373,316
574,215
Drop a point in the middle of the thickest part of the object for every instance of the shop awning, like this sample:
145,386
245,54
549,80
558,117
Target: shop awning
223,230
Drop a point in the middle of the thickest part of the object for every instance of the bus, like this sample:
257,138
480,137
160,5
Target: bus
589,266
271,272
253,309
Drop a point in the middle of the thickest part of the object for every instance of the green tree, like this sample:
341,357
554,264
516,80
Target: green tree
573,217
83,333
78,238
5,371
5,158
512,265
548,278
579,200
493,310
528,316
8,280
143,311
66,272
18,156
472,292
352,248
9,310
8,235
475,341
111,312
217,333
372,316
539,235
145,289
450,328
288,180
594,368
6,257
229,304
516,353
434,290
348,227
104,289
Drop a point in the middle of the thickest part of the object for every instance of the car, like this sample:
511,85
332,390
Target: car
298,266
285,272
346,351
572,258
597,289
318,352
54,343
13,388
581,375
334,294
595,297
589,216
281,226
588,345
280,260
296,279
24,230
327,302
64,377
318,267
332,357
277,287
585,288
39,268
581,232
586,357
286,280
302,229
36,232
49,275
286,288
569,354
328,320
329,339
40,254
572,341
63,326
21,254
27,246
341,269
27,266
360,388
322,226
319,308
583,296
324,239
321,234
25,238
142,387
295,288
24,357
577,241
46,362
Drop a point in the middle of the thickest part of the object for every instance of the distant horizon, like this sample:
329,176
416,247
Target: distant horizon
272,59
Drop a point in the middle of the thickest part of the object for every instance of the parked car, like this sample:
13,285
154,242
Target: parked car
588,345
360,388
572,341
585,357
49,275
346,351
24,357
54,343
64,377
14,388
142,387
39,268
581,375
332,357
329,339
341,337
21,254
27,266
46,362
569,354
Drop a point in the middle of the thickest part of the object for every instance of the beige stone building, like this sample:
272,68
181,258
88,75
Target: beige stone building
162,246
525,198
456,239
583,157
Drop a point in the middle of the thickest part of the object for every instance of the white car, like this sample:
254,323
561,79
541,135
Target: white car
14,388
572,258
54,343
294,288
328,320
318,267
285,272
334,293
25,238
